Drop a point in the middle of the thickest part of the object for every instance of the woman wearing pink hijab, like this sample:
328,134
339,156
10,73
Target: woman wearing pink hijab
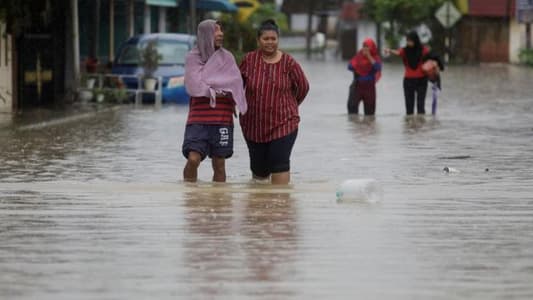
214,82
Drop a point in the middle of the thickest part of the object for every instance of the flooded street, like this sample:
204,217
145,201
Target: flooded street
95,208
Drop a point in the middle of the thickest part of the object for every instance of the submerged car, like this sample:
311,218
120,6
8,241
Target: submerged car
171,67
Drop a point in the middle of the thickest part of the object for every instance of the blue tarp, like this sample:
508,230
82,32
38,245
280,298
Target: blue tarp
167,3
216,5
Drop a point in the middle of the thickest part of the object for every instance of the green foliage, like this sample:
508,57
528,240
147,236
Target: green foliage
110,95
117,95
149,58
240,38
400,15
268,11
526,56
17,13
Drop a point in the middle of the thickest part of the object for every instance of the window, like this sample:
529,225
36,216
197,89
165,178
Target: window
129,55
172,52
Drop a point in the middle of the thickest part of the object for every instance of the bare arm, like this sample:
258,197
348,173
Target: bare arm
300,85
392,51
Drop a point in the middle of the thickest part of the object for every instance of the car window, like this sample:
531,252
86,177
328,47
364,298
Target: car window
129,55
172,53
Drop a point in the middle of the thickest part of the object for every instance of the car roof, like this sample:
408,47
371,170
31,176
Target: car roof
182,37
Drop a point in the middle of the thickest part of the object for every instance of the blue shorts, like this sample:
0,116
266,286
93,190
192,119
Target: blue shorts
208,140
271,157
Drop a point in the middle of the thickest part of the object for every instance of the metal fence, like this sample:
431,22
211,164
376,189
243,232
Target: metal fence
104,82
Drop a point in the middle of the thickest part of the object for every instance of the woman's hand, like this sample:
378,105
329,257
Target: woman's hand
366,52
220,93
389,51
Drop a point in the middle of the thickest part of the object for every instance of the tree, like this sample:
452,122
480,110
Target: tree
400,15
241,37
18,13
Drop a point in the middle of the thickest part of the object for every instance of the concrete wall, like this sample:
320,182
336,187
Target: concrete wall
6,83
517,40
482,39
299,23
366,29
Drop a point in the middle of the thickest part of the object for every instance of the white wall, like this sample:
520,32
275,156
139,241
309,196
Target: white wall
299,23
366,29
517,40
6,86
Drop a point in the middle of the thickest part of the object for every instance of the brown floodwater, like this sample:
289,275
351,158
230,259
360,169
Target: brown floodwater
94,207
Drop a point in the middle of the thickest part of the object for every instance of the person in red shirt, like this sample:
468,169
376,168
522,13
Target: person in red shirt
415,82
366,68
275,86
214,82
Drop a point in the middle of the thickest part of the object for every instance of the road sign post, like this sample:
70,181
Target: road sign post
524,14
448,15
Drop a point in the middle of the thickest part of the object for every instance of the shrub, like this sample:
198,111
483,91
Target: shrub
240,38
526,56
150,57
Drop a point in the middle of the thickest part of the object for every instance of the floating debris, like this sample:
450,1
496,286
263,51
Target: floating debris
364,190
456,157
450,170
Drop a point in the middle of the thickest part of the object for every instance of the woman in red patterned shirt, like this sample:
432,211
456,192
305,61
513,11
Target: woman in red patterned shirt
275,86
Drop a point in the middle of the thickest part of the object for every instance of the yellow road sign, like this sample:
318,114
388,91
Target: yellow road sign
246,8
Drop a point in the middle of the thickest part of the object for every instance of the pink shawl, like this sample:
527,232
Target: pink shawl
209,72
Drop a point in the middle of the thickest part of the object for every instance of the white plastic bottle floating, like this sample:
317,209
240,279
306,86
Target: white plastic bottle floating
450,170
362,190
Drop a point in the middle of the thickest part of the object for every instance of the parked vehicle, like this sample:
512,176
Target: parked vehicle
171,65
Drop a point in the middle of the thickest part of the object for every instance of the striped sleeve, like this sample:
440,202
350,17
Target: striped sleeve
244,68
299,83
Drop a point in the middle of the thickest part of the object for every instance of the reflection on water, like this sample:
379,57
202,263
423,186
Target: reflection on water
96,209
419,123
254,233
209,245
269,227
364,125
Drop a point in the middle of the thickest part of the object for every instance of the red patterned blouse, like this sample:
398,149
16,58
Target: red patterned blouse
273,93
413,73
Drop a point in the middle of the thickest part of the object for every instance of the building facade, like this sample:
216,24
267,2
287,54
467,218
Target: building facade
6,80
43,47
489,31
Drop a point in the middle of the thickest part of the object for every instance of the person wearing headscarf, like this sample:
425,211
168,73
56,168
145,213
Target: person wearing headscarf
415,82
432,67
366,68
214,84
275,87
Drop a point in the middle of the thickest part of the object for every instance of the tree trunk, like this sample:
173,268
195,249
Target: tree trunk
111,31
130,18
309,31
528,35
75,44
378,37
147,19
193,16
95,40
